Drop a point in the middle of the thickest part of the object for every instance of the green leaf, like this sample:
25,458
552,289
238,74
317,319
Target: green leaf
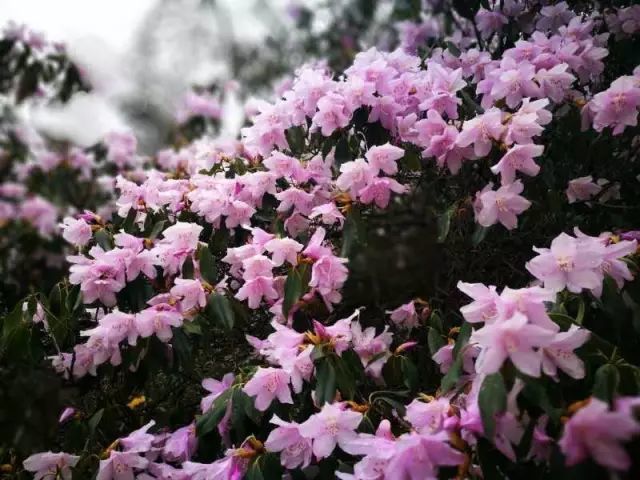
435,340
352,233
410,373
444,224
325,382
296,140
343,154
295,286
94,421
452,375
463,338
492,400
606,382
209,421
208,267
219,308
157,228
345,380
104,239
479,235
188,268
128,223
453,49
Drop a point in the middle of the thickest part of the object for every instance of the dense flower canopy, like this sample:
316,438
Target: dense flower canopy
502,134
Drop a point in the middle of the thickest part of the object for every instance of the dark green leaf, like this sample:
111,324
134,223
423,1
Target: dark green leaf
436,342
104,239
492,400
325,382
219,308
209,420
208,268
293,290
606,382
410,373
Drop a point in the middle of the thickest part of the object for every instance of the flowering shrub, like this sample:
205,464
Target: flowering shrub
421,267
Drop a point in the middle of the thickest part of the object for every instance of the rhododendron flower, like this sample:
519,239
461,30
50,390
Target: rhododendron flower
189,292
333,425
121,466
596,432
295,450
49,465
283,249
181,445
179,241
518,158
555,82
328,213
418,456
405,315
482,131
581,189
256,289
384,158
368,346
355,176
559,353
484,306
613,265
428,417
215,387
66,414
158,320
617,107
379,191
568,263
76,231
139,440
502,205
268,384
512,338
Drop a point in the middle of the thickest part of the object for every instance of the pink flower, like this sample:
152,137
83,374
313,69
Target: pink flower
158,320
295,450
328,274
283,249
268,384
49,465
417,456
568,263
489,22
284,166
328,213
368,346
333,113
66,414
121,466
502,205
215,387
189,292
428,417
181,445
482,131
582,188
559,353
384,158
379,191
179,242
518,158
595,431
333,425
256,289
512,338
76,231
139,441
355,176
617,107
405,315
484,306
555,82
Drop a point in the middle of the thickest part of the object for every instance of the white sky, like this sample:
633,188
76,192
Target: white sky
114,21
